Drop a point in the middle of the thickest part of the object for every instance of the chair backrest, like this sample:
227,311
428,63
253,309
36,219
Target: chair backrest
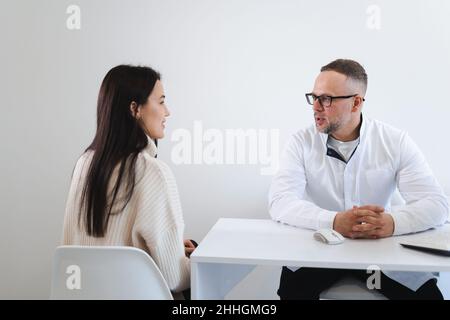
102,272
350,289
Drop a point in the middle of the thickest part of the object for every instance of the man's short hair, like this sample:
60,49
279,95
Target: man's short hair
350,68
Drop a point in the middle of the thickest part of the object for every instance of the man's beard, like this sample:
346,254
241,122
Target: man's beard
333,127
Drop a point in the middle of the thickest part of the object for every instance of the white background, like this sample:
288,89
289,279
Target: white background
229,64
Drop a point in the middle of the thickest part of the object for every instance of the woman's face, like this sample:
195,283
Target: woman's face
154,112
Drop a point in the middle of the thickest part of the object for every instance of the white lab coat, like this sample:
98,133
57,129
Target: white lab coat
312,184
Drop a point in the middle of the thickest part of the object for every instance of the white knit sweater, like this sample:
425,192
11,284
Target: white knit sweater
152,220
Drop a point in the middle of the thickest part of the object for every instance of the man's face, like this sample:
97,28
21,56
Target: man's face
338,115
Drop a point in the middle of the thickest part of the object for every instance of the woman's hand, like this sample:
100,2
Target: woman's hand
188,247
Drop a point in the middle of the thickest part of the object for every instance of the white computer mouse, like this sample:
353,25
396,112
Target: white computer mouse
328,236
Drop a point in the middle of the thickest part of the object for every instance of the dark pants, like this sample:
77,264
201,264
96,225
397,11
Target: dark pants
308,284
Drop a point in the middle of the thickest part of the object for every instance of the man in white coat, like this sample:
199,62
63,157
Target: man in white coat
341,174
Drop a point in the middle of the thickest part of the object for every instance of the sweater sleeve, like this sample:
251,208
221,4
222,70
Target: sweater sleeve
72,204
159,222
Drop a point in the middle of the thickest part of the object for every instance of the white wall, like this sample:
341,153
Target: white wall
229,64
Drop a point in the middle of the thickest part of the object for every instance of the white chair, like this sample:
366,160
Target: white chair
350,289
102,272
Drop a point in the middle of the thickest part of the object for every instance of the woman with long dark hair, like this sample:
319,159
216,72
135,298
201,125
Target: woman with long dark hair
120,193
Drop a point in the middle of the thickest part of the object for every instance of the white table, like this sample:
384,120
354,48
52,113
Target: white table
233,247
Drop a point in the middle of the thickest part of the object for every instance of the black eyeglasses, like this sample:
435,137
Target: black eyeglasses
324,100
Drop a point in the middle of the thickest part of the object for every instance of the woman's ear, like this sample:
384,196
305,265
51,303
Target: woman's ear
135,110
